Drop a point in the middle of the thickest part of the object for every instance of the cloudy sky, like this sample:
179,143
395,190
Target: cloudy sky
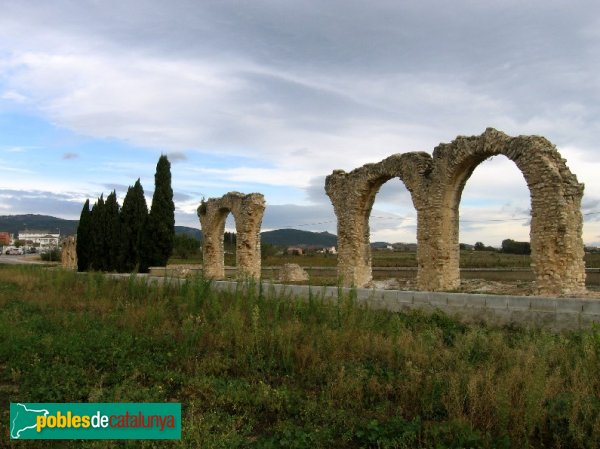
271,96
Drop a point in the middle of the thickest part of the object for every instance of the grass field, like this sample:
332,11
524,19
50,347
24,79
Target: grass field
468,259
254,371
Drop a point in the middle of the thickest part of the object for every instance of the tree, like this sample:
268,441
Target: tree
83,246
112,236
512,247
98,240
134,214
185,246
159,232
479,246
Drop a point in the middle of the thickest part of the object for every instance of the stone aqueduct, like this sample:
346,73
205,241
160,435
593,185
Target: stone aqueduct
435,183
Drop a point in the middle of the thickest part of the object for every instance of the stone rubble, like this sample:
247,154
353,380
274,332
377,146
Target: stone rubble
292,272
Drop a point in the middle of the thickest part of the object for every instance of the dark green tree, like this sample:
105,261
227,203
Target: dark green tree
83,246
185,246
512,247
159,232
112,236
98,239
134,214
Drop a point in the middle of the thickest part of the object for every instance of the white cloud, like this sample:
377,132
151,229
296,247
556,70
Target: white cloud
12,95
284,93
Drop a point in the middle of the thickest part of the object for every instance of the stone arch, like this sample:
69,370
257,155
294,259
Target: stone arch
353,194
247,211
556,223
436,183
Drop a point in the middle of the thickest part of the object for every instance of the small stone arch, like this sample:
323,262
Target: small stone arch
247,211
436,183
353,194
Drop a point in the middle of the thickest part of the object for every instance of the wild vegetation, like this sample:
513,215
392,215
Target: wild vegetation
256,370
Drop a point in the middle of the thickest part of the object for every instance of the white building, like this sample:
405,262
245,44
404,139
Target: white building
42,238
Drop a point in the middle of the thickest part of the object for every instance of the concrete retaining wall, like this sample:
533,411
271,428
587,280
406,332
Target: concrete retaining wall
556,314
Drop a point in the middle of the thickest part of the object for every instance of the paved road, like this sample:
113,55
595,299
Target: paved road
18,260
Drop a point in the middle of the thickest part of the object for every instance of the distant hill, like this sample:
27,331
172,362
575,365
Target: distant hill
16,223
379,245
192,232
293,237
280,237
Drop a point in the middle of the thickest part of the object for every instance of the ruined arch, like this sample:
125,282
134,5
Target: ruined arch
353,194
247,211
556,223
436,183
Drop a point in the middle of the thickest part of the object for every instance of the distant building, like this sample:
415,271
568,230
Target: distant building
5,238
295,250
44,239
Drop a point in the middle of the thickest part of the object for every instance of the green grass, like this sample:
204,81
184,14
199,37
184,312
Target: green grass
257,371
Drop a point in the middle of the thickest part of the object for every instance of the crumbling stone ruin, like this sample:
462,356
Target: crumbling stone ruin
436,182
248,212
292,272
68,254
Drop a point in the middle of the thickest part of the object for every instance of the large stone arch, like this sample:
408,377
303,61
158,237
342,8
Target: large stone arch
247,210
353,194
556,223
436,184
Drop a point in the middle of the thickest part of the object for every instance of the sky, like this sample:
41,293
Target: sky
271,96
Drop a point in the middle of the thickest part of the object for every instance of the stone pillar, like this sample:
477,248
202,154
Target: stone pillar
248,220
68,255
557,249
212,222
350,196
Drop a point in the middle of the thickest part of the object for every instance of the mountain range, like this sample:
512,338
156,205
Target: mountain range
281,237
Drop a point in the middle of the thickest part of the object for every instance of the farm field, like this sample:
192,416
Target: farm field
468,259
256,371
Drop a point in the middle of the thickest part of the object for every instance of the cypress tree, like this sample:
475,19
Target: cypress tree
134,214
159,233
112,227
83,246
98,239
